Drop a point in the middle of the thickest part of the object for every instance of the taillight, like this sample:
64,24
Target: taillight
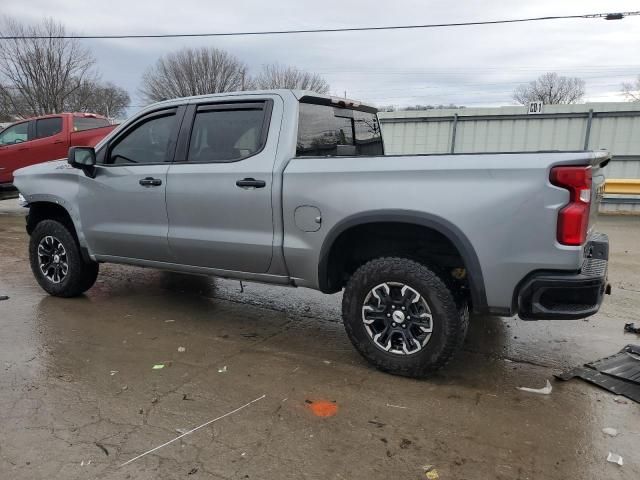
573,219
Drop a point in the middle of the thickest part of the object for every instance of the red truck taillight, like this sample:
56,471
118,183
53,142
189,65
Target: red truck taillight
573,219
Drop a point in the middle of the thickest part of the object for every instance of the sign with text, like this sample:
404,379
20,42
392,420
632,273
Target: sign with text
534,108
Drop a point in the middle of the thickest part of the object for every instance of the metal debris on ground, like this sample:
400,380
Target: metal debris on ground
158,366
169,321
192,471
4,297
194,429
546,390
619,373
615,458
113,372
222,369
182,349
628,327
395,406
610,431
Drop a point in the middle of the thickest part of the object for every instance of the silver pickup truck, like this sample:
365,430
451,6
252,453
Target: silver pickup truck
294,188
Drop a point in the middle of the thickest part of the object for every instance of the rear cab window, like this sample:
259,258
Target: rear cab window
328,131
87,123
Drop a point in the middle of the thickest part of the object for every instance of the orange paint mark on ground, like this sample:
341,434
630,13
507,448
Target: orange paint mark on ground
322,408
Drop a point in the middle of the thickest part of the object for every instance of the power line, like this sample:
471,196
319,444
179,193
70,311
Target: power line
606,16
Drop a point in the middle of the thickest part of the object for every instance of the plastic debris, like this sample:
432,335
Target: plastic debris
327,362
615,458
113,372
158,366
322,408
222,369
546,390
430,472
395,406
619,399
192,471
182,349
83,463
610,431
4,297
628,327
169,321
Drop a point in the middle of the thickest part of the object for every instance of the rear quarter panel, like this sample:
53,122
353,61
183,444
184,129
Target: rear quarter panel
503,204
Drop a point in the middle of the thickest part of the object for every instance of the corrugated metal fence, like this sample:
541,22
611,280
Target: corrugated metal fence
591,126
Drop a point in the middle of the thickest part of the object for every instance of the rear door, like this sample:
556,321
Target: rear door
219,187
50,140
123,209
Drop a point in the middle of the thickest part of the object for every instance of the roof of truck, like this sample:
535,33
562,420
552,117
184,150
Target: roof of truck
298,94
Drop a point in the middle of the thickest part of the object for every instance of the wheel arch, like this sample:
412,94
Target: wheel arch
407,217
47,210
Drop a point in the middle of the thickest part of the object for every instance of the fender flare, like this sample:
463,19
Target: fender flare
434,222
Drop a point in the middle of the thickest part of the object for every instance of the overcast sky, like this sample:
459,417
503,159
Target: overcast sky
473,66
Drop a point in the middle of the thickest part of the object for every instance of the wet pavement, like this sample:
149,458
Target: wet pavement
79,396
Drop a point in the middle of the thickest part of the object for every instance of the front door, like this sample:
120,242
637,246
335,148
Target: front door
123,209
220,185
14,147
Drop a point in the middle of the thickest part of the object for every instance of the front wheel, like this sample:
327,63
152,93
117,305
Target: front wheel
402,317
56,261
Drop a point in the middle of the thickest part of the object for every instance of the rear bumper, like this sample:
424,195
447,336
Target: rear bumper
549,295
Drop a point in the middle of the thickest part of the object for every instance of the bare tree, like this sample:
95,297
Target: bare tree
631,90
37,75
550,88
194,72
280,76
104,98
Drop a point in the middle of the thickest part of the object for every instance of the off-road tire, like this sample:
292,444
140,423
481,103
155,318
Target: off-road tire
450,319
81,274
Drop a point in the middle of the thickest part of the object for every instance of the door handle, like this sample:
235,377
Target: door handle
150,182
251,182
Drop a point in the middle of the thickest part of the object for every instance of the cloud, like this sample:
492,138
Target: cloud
468,65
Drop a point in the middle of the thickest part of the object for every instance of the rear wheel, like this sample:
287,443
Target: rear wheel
402,317
56,261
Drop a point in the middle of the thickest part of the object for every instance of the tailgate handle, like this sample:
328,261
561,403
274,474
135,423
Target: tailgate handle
251,182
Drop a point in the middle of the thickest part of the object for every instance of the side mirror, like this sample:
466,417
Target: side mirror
83,158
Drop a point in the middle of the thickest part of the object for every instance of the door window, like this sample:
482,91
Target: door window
148,142
15,134
47,127
227,134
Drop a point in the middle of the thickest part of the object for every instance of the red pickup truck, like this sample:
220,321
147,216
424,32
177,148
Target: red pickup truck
45,138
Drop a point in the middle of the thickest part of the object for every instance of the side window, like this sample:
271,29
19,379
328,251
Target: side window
15,134
322,129
47,127
148,142
227,133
